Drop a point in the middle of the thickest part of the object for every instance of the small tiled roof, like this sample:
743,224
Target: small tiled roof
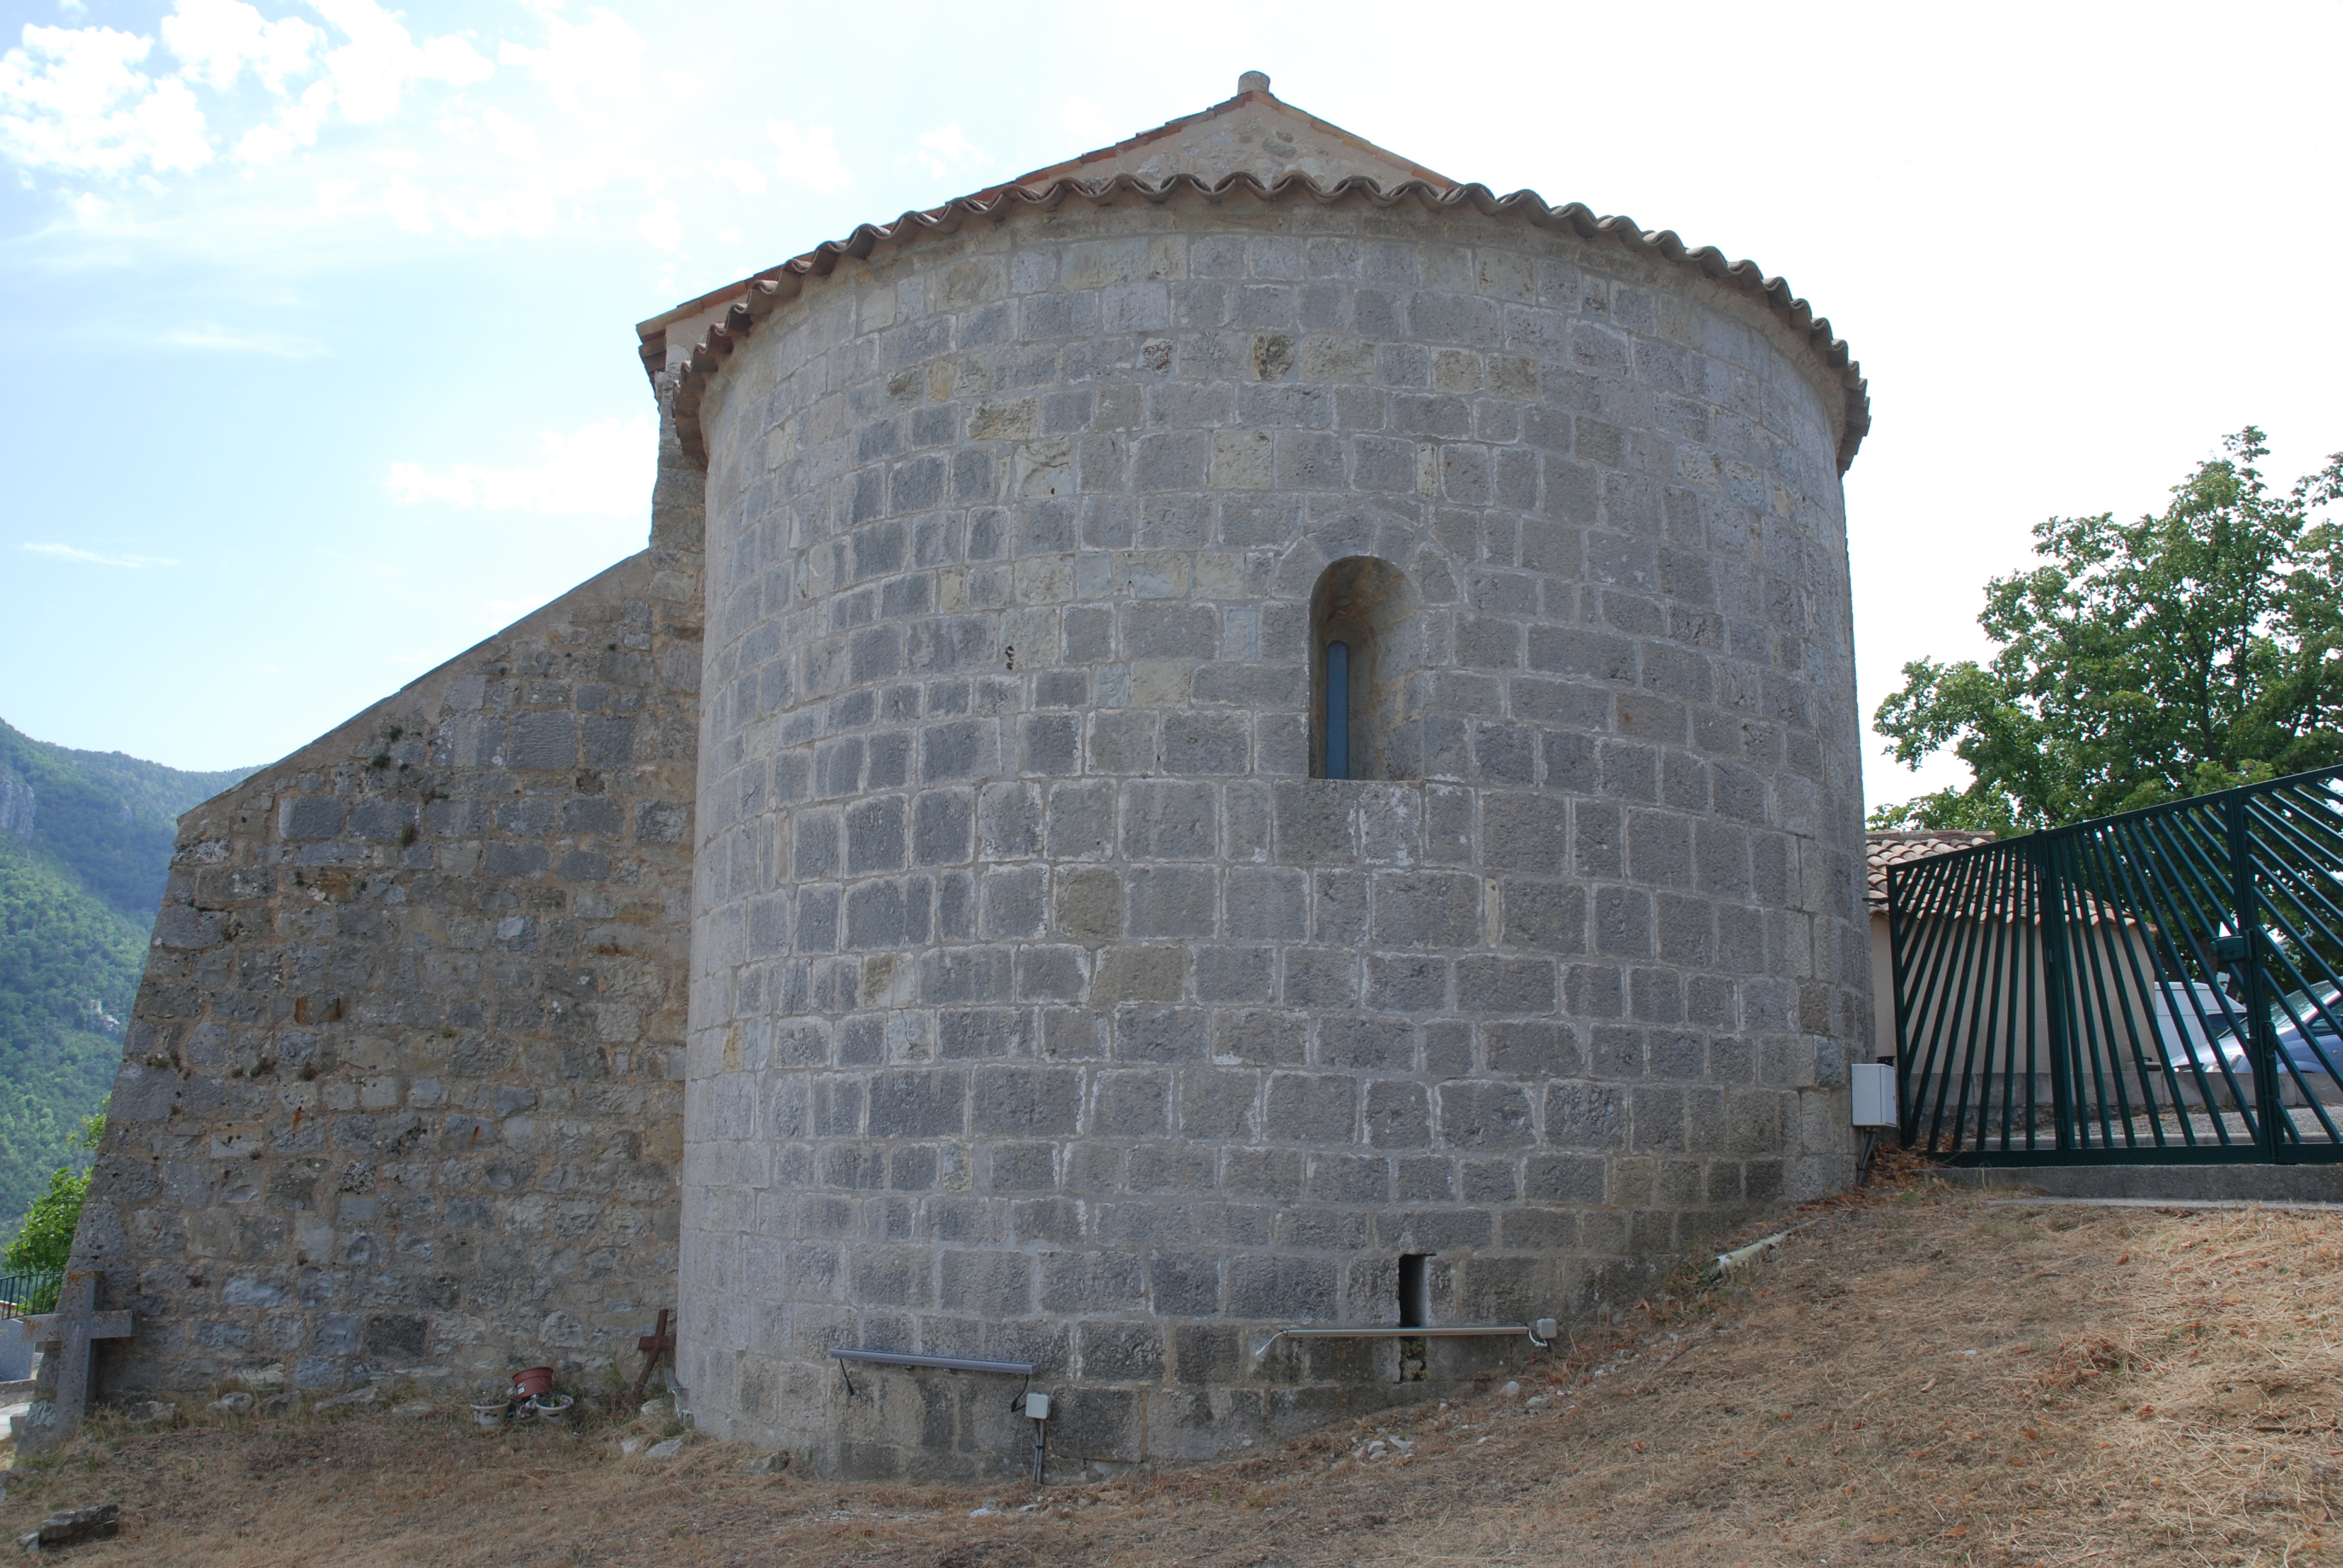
731,313
1254,115
1882,850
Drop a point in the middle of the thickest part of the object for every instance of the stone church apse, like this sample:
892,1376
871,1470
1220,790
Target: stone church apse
1269,747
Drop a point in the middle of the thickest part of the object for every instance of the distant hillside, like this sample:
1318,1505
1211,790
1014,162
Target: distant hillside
84,844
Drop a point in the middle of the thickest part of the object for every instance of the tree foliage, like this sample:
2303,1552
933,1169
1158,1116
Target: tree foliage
2191,650
44,1239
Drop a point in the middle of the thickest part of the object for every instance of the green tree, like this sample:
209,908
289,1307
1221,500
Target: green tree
44,1240
2191,650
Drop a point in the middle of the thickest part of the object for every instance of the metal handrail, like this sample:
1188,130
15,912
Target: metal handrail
1541,1334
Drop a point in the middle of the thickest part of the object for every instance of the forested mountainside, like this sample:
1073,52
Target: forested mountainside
84,843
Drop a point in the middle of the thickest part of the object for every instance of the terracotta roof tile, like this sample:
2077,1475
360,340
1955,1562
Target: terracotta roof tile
748,301
1882,850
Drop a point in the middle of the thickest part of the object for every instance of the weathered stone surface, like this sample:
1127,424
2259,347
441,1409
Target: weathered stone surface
1043,1007
403,1087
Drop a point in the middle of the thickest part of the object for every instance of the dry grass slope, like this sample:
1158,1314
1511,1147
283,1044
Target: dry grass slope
1916,1377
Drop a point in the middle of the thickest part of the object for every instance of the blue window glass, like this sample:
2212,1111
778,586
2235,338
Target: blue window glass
1338,710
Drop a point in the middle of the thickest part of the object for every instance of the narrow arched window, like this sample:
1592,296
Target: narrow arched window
1361,615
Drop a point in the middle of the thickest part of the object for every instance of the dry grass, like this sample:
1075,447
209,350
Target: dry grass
1918,1377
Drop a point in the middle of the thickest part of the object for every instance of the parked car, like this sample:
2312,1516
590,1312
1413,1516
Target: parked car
2198,1026
2201,1028
2305,1020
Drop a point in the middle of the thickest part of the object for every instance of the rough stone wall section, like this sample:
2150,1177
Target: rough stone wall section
1044,1009
403,1085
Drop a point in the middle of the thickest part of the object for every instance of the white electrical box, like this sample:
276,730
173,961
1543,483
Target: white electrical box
1874,1093
1037,1407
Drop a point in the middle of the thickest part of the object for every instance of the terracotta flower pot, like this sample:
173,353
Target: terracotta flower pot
530,1382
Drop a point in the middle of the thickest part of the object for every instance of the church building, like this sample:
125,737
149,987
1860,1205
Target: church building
1232,737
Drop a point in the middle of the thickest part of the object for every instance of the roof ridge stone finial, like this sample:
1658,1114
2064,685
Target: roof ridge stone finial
1253,82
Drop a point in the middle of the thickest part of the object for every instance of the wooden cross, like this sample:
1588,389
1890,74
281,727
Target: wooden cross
653,1345
67,1332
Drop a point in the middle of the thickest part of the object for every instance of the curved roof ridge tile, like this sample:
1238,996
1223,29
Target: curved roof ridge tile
757,296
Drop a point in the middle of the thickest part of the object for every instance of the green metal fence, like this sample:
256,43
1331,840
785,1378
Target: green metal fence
2165,985
29,1293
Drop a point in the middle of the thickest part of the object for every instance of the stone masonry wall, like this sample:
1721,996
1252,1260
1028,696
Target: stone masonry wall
403,1085
1044,1009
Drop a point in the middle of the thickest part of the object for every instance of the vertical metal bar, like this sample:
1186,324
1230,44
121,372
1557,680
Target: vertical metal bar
2295,851
2024,939
1338,710
2051,938
2108,924
2261,1041
1983,1020
2135,874
1957,914
2279,887
2191,865
1930,927
1924,977
1908,1099
2083,907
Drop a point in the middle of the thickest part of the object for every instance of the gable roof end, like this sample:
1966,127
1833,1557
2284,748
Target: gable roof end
1252,146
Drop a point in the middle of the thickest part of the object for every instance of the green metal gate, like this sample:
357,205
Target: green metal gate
2162,986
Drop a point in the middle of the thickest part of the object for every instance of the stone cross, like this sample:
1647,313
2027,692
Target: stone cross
67,1333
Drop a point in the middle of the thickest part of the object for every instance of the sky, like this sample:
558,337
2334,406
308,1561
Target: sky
325,311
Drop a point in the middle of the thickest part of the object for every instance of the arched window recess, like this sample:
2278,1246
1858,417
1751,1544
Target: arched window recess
1362,633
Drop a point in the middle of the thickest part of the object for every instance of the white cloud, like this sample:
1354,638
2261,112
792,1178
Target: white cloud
662,225
216,39
746,176
1087,124
382,58
603,470
945,148
808,157
277,345
100,558
72,99
410,205
296,127
584,68
517,139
